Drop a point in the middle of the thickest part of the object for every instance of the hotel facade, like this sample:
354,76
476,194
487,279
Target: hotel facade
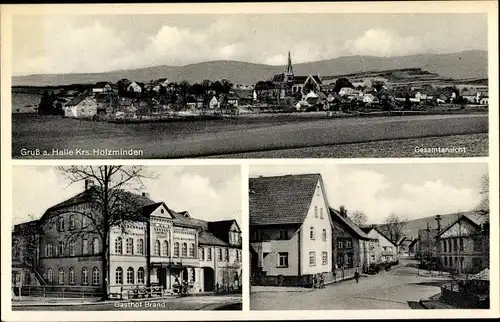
159,247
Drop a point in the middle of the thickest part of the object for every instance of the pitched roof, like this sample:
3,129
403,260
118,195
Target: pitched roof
220,228
76,100
347,222
367,230
207,238
474,217
281,199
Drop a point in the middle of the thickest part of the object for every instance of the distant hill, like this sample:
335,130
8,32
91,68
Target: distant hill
462,65
412,226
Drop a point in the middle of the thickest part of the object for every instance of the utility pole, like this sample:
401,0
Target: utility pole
438,242
428,245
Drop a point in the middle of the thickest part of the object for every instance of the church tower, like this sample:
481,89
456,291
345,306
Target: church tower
289,69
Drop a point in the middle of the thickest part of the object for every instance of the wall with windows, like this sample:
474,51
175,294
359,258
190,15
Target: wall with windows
316,236
83,271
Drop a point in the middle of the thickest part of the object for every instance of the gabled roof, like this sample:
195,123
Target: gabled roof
76,100
220,228
207,238
473,217
281,199
346,222
367,230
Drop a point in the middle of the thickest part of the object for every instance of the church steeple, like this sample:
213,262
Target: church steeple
289,68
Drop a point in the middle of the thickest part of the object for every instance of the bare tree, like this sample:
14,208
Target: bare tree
359,218
483,207
110,204
393,227
25,243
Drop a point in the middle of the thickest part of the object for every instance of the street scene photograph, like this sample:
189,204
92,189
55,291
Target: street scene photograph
369,236
112,237
249,85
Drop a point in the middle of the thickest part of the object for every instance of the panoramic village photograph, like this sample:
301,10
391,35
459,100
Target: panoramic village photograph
330,85
369,236
111,237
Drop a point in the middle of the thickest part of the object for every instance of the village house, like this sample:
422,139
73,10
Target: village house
134,87
160,247
462,246
381,248
349,242
102,87
290,229
213,103
83,106
404,246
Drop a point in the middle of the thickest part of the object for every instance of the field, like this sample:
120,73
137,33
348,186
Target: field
240,135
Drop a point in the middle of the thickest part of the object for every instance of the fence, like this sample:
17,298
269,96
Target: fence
135,291
304,280
61,291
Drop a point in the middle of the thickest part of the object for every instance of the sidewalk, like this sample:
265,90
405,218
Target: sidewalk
258,289
54,301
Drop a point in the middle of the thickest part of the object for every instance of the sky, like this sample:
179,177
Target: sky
44,44
410,191
208,192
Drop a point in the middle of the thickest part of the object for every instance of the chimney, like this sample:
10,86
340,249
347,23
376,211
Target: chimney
145,194
89,183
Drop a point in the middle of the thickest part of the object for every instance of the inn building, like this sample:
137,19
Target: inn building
154,246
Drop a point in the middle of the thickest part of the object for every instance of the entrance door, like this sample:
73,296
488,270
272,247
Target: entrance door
162,277
208,279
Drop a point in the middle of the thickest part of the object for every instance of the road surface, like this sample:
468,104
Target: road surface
399,288
223,137
229,302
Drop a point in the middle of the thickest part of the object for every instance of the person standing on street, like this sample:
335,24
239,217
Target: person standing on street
356,276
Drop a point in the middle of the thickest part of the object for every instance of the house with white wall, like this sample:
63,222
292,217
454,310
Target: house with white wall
290,227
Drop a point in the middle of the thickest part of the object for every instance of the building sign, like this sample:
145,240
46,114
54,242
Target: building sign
89,259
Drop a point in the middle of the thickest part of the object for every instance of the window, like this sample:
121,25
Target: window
191,250
317,191
227,255
85,276
71,275
282,259
119,275
324,235
349,260
72,250
72,222
372,257
95,276
60,248
61,276
85,246
348,244
256,235
202,253
445,261
444,247
321,213
118,245
455,245
312,258
220,254
340,244
50,275
461,244
85,221
164,248
315,211
340,260
140,246
184,249
156,250
176,249
237,255
130,275
60,222
140,275
130,246
324,258
48,250
311,233
95,246
283,234
209,254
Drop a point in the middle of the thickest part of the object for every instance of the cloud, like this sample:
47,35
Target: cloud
382,42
